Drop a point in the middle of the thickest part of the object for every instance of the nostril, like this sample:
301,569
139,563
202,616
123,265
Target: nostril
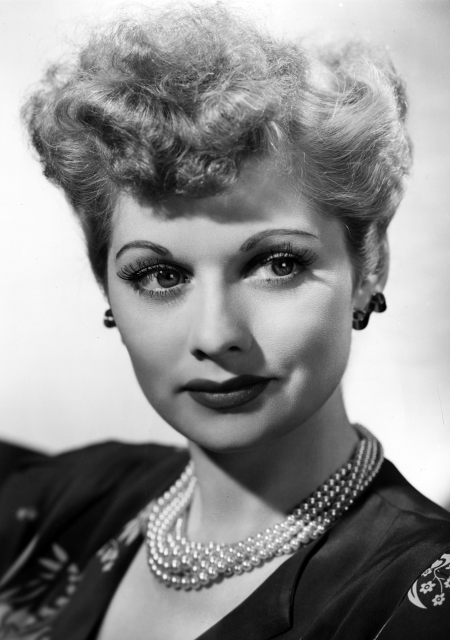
211,354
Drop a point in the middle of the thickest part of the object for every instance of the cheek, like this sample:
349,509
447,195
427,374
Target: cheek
308,339
154,340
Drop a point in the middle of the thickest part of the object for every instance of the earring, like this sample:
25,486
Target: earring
108,319
378,302
361,318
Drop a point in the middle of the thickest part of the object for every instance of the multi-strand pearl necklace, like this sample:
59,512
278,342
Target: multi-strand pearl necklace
183,564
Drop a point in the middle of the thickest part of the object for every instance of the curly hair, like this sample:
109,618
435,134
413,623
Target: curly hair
175,102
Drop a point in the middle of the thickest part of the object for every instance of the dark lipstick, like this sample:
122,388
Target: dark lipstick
226,395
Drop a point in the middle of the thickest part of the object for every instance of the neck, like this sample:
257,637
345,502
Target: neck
240,493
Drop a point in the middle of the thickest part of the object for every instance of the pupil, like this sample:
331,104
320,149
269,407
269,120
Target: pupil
283,266
167,278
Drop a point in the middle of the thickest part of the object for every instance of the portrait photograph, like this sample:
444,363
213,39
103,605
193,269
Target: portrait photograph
224,330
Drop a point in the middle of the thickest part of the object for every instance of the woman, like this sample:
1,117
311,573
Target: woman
235,194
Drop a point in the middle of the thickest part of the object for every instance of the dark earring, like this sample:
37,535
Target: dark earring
379,302
108,319
361,318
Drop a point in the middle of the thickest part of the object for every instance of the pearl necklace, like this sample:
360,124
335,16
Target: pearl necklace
183,564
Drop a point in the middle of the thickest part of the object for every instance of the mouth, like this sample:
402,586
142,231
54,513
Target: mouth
226,395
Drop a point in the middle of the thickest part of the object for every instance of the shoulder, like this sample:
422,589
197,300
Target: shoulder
417,574
46,493
397,492
97,467
424,611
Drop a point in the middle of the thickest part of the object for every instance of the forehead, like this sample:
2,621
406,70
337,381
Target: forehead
262,198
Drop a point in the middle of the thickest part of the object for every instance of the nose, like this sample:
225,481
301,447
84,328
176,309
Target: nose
218,326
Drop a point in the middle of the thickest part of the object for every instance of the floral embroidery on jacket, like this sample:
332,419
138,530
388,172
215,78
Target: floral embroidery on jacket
27,611
110,551
433,584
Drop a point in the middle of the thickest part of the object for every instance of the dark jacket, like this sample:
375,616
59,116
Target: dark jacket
69,529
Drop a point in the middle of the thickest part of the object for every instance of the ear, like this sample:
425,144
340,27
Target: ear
373,282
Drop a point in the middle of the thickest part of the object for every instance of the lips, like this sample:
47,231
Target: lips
225,395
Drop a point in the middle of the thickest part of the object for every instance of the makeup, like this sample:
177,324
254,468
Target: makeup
232,393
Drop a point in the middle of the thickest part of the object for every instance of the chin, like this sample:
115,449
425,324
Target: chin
254,425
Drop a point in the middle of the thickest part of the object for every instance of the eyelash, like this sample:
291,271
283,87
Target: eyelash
303,257
135,272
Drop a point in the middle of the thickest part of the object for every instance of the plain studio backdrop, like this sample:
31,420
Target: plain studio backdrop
67,381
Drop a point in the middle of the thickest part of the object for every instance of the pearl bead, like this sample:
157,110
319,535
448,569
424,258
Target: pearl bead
303,537
221,566
185,562
203,577
291,520
212,572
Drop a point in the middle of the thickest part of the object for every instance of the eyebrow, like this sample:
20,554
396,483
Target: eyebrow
145,244
249,244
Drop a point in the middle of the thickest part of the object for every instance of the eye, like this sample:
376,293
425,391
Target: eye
281,266
165,277
154,279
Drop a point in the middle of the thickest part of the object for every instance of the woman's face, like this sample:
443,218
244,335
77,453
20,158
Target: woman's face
248,283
